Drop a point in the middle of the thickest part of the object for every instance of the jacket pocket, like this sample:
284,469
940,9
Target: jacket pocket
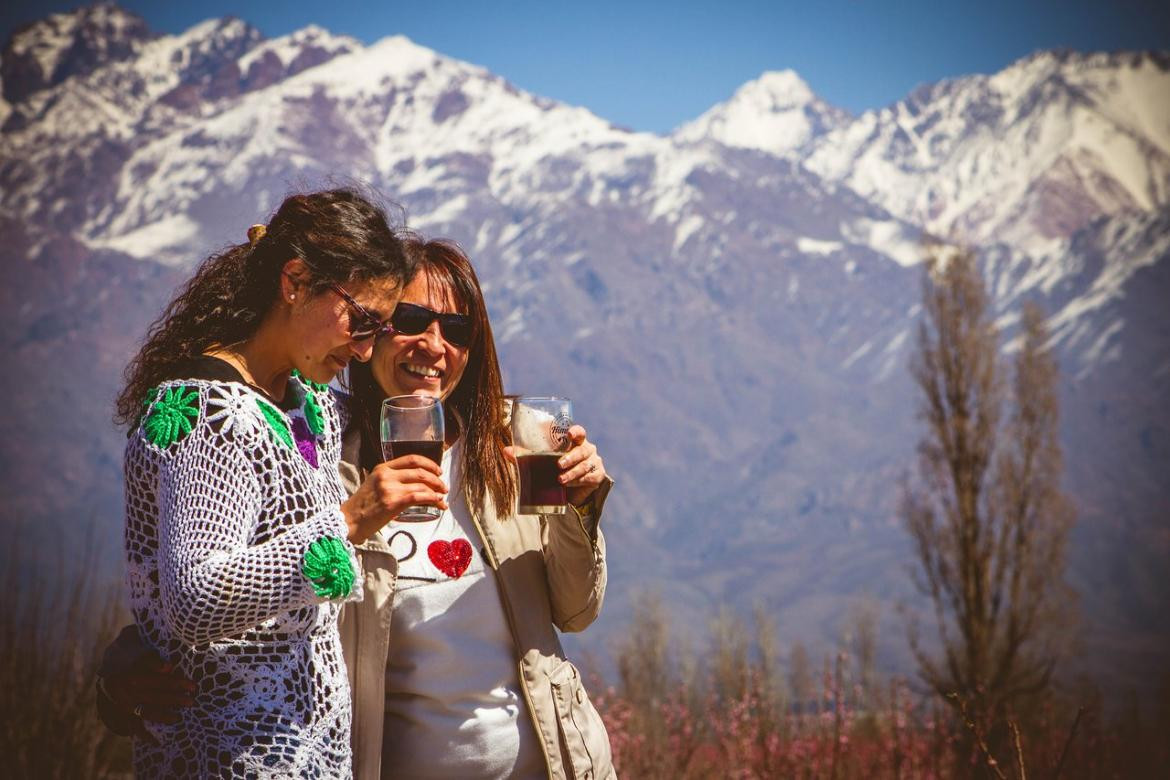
584,743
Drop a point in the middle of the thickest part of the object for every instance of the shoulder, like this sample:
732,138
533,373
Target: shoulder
181,411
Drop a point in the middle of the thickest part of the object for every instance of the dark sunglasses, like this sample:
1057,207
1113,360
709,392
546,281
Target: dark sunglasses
362,324
411,320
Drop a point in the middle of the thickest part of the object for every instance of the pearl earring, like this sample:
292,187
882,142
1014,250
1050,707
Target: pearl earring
292,297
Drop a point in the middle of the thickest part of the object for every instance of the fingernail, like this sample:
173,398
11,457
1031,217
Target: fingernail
561,463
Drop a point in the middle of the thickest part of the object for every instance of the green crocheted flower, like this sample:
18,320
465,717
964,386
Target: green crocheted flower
172,417
326,564
276,422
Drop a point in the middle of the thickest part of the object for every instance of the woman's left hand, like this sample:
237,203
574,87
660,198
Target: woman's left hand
582,469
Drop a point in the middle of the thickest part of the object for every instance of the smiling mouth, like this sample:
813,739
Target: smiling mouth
422,372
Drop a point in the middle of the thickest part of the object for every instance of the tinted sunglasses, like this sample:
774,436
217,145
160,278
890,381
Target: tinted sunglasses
362,323
411,320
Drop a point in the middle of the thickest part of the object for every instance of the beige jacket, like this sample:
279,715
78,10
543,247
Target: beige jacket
551,572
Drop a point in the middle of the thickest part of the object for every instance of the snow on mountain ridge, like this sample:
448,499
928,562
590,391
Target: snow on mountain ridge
420,113
394,97
1034,152
783,88
431,125
173,83
47,52
46,41
427,117
1128,245
288,47
777,113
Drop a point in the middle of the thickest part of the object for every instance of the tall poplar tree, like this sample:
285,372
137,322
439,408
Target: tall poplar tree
986,515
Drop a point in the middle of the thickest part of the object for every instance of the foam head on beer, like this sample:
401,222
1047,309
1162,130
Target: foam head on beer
532,429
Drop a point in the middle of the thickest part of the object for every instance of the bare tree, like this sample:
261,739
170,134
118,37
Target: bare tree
644,661
800,678
987,517
862,639
730,667
770,680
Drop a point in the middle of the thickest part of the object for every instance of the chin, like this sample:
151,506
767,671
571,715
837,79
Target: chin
319,374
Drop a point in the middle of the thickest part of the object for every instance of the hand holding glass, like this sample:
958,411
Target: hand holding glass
413,425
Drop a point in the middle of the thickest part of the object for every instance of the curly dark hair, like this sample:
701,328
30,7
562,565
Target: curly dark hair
339,234
475,408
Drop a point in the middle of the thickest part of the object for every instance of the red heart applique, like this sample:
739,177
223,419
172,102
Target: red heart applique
451,558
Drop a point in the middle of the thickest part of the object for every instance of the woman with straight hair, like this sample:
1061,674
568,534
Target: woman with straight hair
239,536
455,664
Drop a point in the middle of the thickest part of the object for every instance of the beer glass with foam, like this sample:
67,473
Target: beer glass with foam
540,436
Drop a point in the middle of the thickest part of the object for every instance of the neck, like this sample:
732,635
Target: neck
261,359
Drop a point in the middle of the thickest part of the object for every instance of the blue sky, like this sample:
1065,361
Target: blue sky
651,66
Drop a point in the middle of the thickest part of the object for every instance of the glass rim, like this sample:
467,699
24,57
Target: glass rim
416,402
523,398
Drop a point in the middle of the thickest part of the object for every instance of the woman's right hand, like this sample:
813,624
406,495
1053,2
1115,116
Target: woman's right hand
153,690
389,489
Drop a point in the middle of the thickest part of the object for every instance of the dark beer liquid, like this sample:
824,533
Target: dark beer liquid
538,483
428,449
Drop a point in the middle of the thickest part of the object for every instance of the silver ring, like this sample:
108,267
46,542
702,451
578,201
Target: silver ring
138,711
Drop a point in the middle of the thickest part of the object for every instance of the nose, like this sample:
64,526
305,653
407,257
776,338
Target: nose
362,350
431,339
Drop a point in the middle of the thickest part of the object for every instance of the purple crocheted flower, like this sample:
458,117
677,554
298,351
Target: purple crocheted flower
306,441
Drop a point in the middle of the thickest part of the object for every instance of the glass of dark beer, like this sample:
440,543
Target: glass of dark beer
413,425
540,435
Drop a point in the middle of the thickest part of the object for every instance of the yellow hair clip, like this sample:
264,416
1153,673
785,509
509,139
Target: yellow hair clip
255,233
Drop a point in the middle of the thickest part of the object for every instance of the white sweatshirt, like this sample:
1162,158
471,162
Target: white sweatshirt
453,701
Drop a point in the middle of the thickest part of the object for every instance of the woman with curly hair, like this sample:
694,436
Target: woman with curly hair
239,537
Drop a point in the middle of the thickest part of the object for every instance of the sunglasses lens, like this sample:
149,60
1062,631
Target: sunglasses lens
457,331
411,320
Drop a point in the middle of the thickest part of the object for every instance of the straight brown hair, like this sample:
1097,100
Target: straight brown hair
475,409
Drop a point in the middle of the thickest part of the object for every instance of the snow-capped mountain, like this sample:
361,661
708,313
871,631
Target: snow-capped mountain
64,45
731,305
1033,153
1029,154
777,113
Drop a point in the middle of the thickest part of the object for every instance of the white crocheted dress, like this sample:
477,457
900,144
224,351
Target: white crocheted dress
231,506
